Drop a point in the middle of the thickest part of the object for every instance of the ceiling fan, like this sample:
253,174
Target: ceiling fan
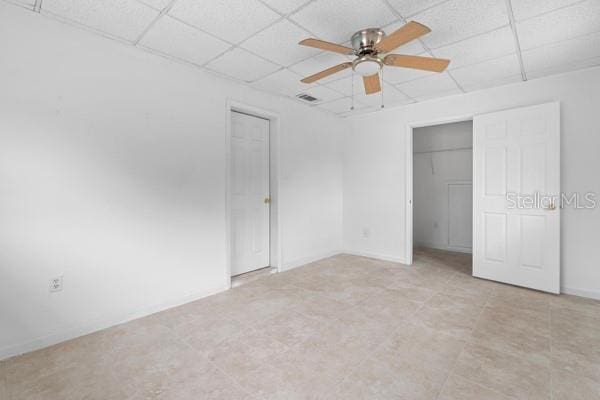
369,47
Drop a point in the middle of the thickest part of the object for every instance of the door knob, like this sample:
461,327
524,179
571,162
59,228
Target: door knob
267,200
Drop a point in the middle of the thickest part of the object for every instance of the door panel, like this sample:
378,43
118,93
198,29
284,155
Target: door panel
249,189
517,153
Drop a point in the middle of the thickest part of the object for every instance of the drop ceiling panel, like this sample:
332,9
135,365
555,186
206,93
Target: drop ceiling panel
337,21
479,75
125,19
563,54
279,43
438,94
408,8
174,38
479,48
26,3
341,105
156,4
523,9
286,6
456,20
284,82
566,23
573,66
242,65
426,87
322,93
232,20
391,95
319,63
345,85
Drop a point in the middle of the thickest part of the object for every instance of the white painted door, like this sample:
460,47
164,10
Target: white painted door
249,193
516,155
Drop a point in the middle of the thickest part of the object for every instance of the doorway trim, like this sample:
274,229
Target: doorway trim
408,251
275,206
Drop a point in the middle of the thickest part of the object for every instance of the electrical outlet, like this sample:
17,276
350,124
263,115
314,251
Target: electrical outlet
56,284
366,233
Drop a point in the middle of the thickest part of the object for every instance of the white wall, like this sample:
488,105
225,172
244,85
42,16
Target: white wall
375,168
442,195
112,173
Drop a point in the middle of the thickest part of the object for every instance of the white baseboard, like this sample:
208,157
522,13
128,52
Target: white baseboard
287,265
581,292
383,257
91,326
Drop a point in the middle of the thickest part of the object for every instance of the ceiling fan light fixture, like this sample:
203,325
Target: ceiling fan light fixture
367,65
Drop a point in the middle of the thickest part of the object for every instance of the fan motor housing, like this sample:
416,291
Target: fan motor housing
364,41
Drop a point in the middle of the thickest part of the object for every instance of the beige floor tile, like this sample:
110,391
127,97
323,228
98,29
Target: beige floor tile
98,350
247,350
567,324
521,298
341,346
449,314
263,307
75,383
422,347
345,327
388,305
566,386
349,292
206,333
522,332
457,388
292,328
581,305
294,375
519,320
476,290
501,336
433,278
504,372
321,306
580,357
399,284
392,378
191,380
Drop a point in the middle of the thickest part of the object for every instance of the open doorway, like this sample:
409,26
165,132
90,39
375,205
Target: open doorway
443,192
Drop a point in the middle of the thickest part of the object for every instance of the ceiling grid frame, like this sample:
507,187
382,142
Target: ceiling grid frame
162,12
513,28
427,49
514,21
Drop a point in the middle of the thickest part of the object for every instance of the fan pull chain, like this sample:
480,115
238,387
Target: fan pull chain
382,105
352,106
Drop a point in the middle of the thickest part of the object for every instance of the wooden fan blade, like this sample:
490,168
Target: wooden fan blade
327,72
416,62
372,84
407,33
323,45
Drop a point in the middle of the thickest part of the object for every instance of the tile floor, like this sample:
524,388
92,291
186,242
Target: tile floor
342,328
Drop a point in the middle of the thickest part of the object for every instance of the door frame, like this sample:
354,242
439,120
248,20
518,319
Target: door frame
408,200
275,209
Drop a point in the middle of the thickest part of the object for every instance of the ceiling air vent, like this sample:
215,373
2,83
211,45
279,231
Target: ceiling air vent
307,97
